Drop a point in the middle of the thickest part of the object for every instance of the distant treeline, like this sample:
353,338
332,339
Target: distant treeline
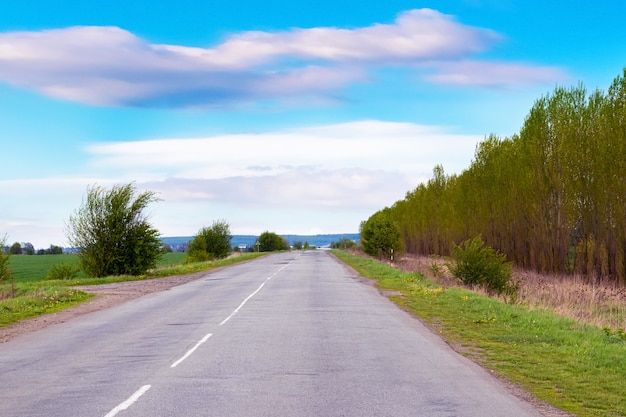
552,198
179,243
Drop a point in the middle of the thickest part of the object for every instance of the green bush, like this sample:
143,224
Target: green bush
380,237
62,272
210,243
269,242
343,243
113,232
477,265
5,272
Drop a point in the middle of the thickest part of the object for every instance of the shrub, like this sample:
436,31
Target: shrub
380,236
5,272
113,233
269,242
343,243
62,272
477,265
210,243
15,249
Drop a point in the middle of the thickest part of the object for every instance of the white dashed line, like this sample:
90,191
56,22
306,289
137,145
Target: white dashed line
252,295
190,351
142,390
129,401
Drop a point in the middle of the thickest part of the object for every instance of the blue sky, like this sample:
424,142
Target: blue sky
274,115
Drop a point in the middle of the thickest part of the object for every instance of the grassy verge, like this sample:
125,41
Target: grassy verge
27,299
37,301
575,367
165,271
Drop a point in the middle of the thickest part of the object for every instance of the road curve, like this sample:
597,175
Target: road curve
291,334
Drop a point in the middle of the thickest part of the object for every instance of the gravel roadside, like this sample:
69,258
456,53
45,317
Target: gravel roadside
107,295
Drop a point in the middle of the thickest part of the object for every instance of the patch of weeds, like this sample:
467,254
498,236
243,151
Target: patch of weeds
614,336
42,301
62,271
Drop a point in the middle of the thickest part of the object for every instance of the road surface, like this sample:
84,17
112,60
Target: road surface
290,334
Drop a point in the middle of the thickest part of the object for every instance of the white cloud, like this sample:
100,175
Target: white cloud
292,181
113,67
415,35
370,144
332,170
341,189
495,74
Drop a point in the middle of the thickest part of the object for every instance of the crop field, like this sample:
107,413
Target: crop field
34,268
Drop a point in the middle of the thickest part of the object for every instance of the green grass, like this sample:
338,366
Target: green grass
38,301
30,295
33,268
575,367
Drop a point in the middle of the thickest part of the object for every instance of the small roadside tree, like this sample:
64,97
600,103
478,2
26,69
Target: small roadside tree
380,236
270,242
5,272
112,232
210,243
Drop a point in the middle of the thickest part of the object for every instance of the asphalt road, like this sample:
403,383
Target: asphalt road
291,334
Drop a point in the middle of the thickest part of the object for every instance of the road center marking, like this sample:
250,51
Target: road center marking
129,401
253,294
190,351
133,398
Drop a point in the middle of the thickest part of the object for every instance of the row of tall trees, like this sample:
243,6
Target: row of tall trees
552,198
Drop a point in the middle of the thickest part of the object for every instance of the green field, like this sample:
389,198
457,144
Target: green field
34,268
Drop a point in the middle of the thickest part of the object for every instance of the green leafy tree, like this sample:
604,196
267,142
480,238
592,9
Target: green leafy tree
297,245
380,236
15,249
5,272
270,242
210,243
28,248
54,250
112,232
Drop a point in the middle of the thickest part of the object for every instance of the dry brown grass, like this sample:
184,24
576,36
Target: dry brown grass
594,302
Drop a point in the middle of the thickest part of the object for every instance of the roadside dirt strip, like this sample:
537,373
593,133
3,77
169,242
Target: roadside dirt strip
107,295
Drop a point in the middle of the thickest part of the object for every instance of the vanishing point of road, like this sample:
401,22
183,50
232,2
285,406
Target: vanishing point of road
289,334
